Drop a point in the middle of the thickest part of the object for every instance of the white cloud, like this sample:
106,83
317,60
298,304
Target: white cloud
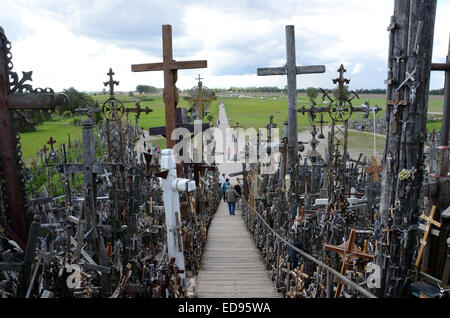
235,37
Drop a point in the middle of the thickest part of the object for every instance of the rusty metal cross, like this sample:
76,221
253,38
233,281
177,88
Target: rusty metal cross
170,68
15,94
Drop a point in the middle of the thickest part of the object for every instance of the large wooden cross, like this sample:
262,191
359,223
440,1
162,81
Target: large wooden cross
347,251
291,70
15,94
170,68
200,98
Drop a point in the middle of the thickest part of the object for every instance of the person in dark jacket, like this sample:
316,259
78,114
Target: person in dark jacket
238,189
231,196
225,187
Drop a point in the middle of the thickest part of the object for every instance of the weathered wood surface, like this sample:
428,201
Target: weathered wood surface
231,266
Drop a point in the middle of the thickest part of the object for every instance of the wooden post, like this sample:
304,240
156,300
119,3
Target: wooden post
410,49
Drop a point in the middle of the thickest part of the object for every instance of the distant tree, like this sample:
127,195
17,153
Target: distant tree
130,93
311,92
76,99
146,89
346,92
210,117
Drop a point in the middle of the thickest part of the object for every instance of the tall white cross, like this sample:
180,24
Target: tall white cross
171,186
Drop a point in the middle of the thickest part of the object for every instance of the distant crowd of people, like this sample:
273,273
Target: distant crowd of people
231,193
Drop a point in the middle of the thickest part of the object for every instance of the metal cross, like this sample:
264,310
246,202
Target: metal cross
347,251
200,99
408,77
111,82
16,95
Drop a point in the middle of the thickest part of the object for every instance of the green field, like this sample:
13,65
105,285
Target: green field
248,111
58,129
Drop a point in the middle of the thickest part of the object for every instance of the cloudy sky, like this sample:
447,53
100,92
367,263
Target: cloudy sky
74,43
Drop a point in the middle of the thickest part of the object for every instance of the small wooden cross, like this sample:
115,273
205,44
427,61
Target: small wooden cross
347,252
395,103
51,141
170,68
423,242
374,169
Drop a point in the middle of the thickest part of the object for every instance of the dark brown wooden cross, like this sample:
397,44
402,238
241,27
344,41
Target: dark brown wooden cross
394,104
15,94
347,251
374,169
51,141
170,68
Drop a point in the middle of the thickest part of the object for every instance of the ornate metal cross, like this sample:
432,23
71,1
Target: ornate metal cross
16,95
170,68
200,99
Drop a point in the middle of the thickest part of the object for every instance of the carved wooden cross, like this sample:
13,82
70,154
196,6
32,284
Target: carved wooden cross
374,169
200,99
347,251
423,242
16,95
170,68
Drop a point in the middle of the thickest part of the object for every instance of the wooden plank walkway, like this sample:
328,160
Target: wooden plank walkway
231,266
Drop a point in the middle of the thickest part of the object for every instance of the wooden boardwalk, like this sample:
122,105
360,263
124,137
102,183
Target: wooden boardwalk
231,266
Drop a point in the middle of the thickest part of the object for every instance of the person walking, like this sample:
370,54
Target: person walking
238,190
228,153
225,187
231,196
222,181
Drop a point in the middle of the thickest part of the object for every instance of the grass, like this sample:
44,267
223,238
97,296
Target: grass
58,129
249,112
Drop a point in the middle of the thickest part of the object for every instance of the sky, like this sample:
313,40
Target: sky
74,43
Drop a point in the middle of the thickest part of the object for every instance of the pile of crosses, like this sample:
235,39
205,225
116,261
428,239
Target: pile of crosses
118,228
384,227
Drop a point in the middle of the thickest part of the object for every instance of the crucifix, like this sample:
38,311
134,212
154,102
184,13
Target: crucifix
374,169
200,100
170,68
394,104
15,94
347,251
